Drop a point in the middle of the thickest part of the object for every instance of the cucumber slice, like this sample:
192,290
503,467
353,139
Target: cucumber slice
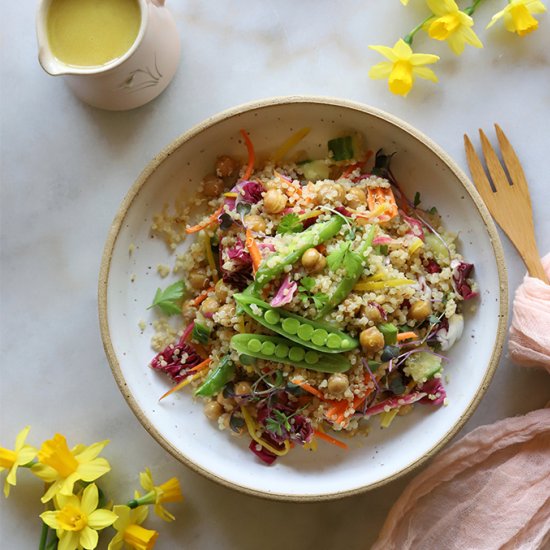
315,170
422,366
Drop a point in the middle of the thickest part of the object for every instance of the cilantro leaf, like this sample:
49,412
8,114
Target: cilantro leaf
319,300
352,262
336,259
169,299
416,200
307,284
290,223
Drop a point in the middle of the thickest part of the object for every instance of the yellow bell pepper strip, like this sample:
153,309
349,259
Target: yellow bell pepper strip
289,143
252,431
210,257
368,286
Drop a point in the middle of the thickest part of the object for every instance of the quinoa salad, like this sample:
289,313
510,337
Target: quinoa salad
316,297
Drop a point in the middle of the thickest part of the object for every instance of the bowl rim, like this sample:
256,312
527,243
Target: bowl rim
234,112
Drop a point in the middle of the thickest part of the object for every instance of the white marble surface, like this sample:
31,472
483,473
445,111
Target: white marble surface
65,167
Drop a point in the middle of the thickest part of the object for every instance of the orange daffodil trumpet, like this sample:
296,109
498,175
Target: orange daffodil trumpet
518,16
78,514
169,491
63,467
77,519
402,67
20,456
452,25
130,532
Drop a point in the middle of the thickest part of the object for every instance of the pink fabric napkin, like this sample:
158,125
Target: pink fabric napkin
491,489
529,343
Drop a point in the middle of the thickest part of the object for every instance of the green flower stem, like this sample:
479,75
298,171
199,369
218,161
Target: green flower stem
470,10
409,38
149,498
43,536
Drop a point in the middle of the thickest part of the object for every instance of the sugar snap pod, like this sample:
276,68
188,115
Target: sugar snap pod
281,350
306,332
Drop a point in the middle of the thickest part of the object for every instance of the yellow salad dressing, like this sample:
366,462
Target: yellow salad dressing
92,32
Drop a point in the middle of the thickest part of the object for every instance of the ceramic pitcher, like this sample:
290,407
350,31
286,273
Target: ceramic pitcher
131,80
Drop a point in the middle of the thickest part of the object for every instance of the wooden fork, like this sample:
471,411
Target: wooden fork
507,200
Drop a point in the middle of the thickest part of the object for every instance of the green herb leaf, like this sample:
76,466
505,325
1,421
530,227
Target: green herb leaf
416,200
290,224
433,319
169,299
320,300
200,333
432,210
352,262
336,259
307,284
341,148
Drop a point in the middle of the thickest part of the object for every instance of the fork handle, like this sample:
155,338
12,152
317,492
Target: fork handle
532,261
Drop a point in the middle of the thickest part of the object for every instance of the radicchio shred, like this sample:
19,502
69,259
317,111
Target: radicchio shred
461,272
170,361
436,392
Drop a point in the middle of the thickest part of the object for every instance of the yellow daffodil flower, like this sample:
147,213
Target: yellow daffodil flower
404,2
403,66
130,533
169,491
452,25
11,460
77,520
63,467
518,16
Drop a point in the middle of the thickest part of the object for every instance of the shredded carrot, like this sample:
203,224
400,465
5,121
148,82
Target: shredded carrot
338,408
202,296
329,439
308,388
377,196
251,155
360,164
206,222
255,253
201,366
289,143
183,383
406,336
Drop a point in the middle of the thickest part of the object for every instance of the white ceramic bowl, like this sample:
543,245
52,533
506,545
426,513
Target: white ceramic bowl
178,423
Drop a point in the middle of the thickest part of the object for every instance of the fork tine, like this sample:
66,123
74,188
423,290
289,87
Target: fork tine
481,181
511,160
493,164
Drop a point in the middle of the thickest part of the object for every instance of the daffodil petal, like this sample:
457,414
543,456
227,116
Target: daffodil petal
99,519
425,73
496,17
52,490
89,499
470,37
146,480
88,538
402,50
67,484
456,43
11,478
535,6
386,51
89,453
116,542
6,488
94,469
139,514
442,7
69,540
20,439
45,473
26,454
163,513
381,70
50,519
123,517
423,59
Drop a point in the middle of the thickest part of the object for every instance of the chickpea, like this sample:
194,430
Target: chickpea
225,166
255,223
313,260
197,280
274,201
228,403
372,340
331,192
221,290
372,313
210,306
242,388
356,197
213,410
338,384
420,310
212,186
